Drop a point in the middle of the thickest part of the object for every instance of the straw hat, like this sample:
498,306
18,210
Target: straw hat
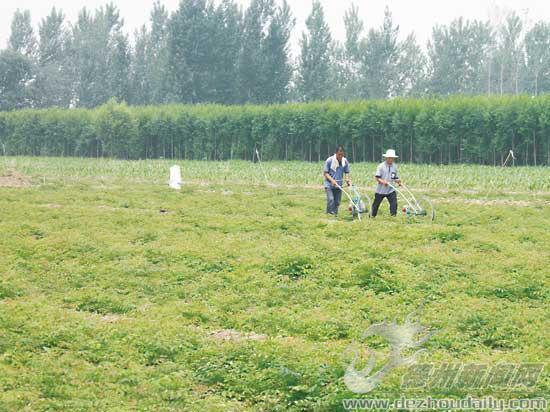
390,153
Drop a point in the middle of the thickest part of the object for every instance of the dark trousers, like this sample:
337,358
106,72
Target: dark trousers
392,198
334,196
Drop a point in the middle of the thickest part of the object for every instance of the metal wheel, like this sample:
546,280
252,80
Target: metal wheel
425,208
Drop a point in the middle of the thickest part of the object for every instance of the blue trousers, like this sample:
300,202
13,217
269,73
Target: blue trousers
334,196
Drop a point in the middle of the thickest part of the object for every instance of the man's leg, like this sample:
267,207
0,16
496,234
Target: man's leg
337,193
376,204
330,200
392,198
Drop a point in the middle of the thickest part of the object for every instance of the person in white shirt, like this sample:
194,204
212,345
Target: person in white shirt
386,173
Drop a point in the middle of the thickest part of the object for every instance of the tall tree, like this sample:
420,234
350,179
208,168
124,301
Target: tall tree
53,86
157,65
226,26
150,76
15,75
251,65
381,59
83,53
264,64
98,50
192,51
340,76
458,55
119,68
509,55
22,38
352,57
276,51
141,85
391,67
537,50
315,59
52,39
411,78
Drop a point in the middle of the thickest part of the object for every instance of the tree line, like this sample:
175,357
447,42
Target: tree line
217,52
457,129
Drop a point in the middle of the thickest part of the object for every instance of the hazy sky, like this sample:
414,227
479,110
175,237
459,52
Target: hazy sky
411,15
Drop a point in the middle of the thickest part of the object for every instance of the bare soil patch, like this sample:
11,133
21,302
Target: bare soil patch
112,318
234,335
52,206
12,178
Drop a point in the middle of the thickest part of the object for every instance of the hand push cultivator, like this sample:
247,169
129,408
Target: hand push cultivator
359,205
415,207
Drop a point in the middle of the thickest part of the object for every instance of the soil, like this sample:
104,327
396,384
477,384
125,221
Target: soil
231,334
12,178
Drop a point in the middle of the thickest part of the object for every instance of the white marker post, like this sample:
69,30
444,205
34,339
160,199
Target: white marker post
175,178
510,155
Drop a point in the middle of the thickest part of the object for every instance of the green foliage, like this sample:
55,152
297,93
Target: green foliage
459,72
448,236
382,54
98,50
15,73
455,130
376,277
7,293
314,77
295,268
537,53
264,69
478,328
22,39
108,304
103,306
219,52
116,131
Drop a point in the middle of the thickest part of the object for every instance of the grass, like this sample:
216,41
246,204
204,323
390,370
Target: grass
454,178
113,288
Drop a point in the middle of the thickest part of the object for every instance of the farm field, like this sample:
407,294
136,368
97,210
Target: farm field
239,294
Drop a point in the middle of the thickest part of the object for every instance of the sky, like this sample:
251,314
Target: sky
418,16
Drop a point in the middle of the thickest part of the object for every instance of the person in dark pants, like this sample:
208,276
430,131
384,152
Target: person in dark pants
336,170
386,173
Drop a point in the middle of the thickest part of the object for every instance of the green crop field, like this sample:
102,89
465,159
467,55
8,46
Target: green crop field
237,293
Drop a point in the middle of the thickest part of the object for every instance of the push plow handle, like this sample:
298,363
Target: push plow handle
403,196
410,193
351,200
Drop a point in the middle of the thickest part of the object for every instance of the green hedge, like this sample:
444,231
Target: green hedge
453,130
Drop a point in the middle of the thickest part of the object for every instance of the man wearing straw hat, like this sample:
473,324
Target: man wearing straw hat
386,174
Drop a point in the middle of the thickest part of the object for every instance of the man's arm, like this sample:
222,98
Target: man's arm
385,182
330,179
397,179
381,181
346,174
327,175
378,177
